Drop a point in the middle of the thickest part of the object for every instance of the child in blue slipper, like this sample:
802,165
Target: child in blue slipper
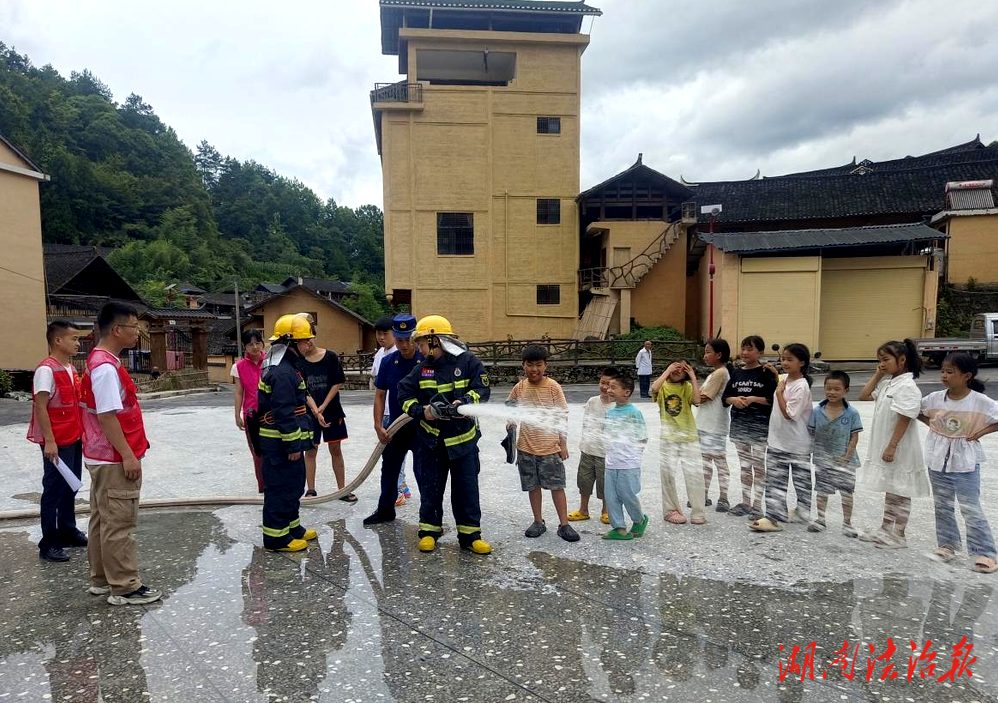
626,437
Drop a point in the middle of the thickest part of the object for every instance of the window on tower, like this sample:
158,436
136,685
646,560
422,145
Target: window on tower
548,211
549,125
455,234
549,295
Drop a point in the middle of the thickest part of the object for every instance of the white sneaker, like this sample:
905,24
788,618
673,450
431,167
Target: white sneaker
140,596
99,590
892,542
874,536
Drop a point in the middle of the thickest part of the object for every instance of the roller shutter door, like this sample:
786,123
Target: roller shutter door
861,309
778,300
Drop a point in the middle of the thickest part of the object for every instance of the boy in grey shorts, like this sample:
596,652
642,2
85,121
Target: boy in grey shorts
542,443
593,448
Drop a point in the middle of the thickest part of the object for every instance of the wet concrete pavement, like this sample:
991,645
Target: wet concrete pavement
686,614
362,616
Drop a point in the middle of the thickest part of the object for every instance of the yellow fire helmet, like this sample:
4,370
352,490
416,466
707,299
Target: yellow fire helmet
295,327
433,325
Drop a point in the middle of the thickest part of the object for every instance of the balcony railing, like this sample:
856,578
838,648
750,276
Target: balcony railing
397,93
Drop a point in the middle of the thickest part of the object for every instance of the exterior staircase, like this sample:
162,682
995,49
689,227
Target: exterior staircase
600,282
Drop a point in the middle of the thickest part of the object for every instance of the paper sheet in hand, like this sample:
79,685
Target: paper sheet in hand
67,474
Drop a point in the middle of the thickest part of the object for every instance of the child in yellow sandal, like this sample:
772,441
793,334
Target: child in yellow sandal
592,461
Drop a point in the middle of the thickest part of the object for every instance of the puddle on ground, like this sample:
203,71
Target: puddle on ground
362,616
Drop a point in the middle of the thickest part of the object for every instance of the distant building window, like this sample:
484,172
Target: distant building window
549,295
548,211
549,125
455,233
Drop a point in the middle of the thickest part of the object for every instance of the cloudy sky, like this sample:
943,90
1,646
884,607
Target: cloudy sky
707,89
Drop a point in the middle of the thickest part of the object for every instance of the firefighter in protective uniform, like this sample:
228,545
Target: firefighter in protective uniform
449,376
285,432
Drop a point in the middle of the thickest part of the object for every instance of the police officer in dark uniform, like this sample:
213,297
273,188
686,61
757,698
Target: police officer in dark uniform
393,369
285,431
448,442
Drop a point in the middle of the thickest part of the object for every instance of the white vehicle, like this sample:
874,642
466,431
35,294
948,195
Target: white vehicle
982,343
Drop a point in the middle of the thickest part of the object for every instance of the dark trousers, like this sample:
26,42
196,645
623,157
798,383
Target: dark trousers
645,384
57,504
392,459
433,465
781,468
283,482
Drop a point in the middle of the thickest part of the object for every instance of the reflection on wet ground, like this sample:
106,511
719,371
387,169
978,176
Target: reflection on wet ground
360,616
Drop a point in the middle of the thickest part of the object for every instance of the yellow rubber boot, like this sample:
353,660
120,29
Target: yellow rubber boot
480,546
427,544
309,535
295,545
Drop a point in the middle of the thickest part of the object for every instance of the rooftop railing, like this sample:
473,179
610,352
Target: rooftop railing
397,93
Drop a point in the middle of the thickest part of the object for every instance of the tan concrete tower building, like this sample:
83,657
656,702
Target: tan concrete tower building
479,148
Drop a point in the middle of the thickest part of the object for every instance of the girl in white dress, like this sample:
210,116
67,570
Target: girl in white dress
894,463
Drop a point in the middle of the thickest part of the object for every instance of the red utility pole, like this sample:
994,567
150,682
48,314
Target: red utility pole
710,329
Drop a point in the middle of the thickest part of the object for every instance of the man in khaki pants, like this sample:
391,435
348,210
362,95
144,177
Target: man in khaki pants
114,442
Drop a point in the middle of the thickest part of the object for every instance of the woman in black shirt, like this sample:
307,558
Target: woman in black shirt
324,375
750,394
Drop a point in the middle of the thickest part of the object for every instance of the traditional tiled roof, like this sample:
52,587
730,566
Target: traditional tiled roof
219,299
319,285
65,262
222,337
324,299
638,168
179,314
945,157
270,288
918,192
974,150
791,240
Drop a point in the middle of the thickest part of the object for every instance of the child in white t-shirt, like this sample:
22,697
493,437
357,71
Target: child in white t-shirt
788,457
713,420
592,449
957,418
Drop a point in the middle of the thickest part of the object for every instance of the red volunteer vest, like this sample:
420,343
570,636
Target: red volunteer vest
95,443
63,408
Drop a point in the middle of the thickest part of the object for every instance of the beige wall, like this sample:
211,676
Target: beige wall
476,149
726,274
660,296
219,366
22,286
335,329
972,249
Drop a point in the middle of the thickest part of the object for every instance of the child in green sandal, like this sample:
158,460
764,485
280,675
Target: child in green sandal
626,436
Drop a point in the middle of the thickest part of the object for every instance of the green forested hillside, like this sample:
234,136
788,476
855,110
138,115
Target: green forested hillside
122,178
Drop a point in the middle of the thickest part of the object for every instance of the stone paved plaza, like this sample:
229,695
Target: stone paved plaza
685,614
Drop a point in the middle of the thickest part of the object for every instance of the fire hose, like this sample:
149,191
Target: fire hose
242,500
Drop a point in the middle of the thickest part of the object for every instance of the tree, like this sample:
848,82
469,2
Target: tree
208,163
87,83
